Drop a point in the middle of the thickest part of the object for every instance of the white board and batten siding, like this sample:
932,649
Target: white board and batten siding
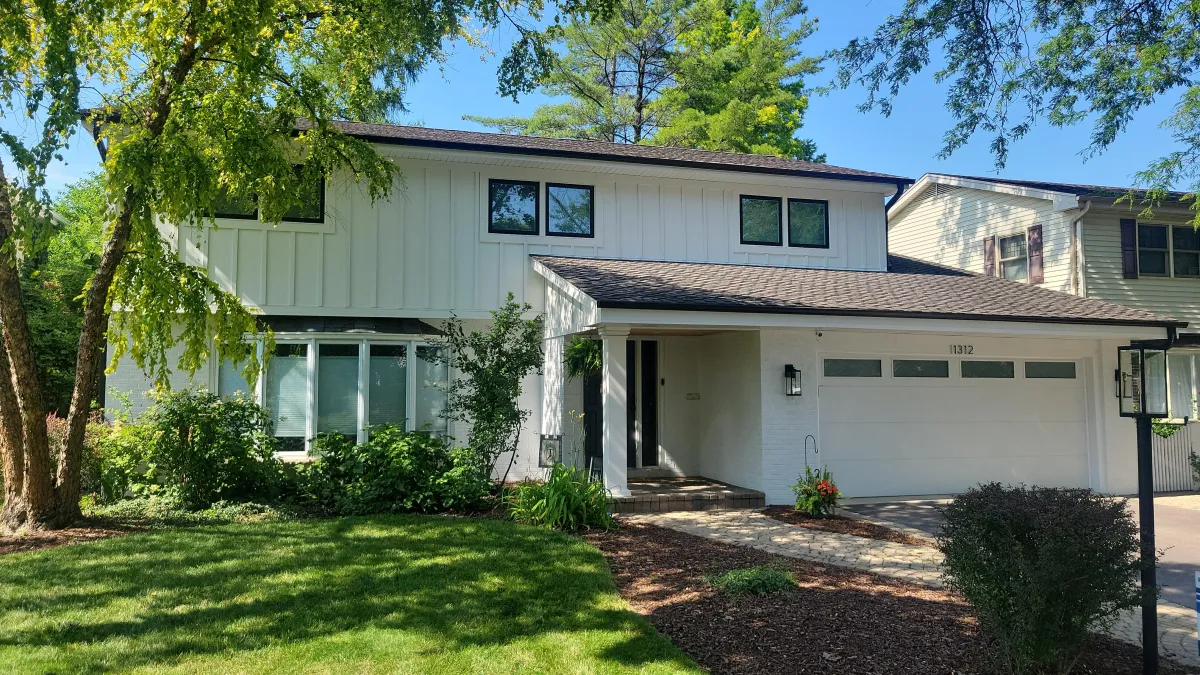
947,225
1104,279
426,251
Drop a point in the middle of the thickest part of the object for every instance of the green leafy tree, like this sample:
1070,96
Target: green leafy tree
53,282
195,101
1014,63
739,80
610,73
709,74
491,365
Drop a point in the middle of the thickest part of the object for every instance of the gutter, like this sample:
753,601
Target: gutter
1078,284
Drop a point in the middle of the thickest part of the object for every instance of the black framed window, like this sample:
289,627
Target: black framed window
570,210
232,206
311,207
1152,250
762,220
512,207
808,223
1185,251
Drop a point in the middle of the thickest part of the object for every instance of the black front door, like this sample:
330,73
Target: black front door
649,412
593,424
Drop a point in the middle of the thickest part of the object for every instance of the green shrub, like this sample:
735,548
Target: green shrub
816,493
1043,567
1195,467
567,500
394,471
761,580
194,445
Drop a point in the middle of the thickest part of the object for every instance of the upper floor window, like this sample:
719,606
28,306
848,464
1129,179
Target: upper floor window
762,220
310,208
570,210
808,223
1186,251
1153,250
512,207
1014,258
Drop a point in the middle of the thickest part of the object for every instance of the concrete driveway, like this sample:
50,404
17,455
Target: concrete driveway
1176,520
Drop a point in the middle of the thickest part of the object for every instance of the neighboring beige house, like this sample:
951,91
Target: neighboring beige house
1074,239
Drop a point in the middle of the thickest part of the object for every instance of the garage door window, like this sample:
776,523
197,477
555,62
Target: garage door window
1050,370
918,368
999,370
853,368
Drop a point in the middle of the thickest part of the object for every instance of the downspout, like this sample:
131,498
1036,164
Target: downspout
900,188
1077,281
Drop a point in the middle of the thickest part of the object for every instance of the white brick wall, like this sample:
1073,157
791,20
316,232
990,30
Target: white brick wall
787,420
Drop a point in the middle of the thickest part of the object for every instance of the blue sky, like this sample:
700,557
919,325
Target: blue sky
906,143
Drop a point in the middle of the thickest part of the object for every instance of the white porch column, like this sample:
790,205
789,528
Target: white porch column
615,432
553,385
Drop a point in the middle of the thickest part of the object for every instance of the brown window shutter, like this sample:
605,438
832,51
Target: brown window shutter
1037,273
989,256
1129,257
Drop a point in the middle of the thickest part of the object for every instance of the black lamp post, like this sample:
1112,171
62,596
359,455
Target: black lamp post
1142,391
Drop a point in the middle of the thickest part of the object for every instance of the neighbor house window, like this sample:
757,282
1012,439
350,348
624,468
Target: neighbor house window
1000,370
808,223
1050,370
762,220
431,398
285,395
512,207
853,368
337,389
920,368
1183,379
1014,258
1185,251
1153,250
570,211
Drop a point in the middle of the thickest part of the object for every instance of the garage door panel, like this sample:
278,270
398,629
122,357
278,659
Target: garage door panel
876,478
936,437
964,404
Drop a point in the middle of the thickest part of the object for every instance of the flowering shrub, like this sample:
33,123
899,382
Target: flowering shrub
816,493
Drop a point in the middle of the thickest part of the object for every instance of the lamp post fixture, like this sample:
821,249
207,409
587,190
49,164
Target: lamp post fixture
791,380
1142,392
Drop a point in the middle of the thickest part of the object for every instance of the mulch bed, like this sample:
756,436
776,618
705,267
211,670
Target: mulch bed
49,539
838,621
842,525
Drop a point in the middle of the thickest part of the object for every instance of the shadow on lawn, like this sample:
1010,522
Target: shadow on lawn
151,599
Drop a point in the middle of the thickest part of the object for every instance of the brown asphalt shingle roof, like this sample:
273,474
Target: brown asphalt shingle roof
911,289
604,151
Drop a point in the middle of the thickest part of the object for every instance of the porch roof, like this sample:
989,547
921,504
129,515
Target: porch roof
909,289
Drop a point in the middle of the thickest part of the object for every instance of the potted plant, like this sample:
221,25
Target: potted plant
816,493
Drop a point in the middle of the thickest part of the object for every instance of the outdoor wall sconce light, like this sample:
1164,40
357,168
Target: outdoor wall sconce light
791,380
1142,381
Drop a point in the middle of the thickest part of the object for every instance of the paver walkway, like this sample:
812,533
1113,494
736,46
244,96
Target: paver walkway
918,564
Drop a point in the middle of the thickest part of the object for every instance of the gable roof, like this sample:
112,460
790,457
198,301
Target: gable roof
1077,189
448,139
910,289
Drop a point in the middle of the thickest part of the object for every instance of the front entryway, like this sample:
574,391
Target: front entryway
643,384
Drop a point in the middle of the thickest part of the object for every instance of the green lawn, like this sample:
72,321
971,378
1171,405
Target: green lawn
404,594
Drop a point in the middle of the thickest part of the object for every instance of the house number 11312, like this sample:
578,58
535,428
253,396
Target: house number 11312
962,349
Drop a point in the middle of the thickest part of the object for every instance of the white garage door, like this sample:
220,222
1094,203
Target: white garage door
935,431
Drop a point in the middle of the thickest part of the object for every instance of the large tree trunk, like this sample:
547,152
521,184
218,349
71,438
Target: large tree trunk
38,490
12,454
95,309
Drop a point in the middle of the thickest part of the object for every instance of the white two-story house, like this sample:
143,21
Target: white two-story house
750,316
1074,239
